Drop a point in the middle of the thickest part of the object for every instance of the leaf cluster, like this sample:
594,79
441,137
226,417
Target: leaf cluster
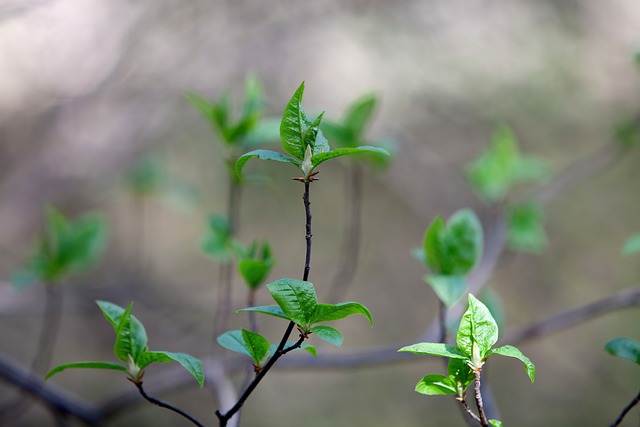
66,248
131,348
297,302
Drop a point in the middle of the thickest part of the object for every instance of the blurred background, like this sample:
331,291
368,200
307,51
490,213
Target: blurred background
88,88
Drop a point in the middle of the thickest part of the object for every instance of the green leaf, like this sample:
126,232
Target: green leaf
632,245
495,423
131,337
628,133
89,365
525,227
218,241
477,328
493,302
460,374
296,298
435,384
328,334
264,155
304,346
511,351
339,134
625,348
254,271
329,312
266,131
191,364
246,342
270,310
435,349
319,158
293,125
449,289
359,114
455,248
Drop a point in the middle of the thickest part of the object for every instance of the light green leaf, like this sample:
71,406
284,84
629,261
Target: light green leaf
188,362
293,125
339,134
477,326
328,334
317,159
254,271
270,310
359,114
525,227
449,289
435,384
495,423
460,374
455,248
435,349
511,351
246,342
632,245
264,155
625,348
88,365
296,298
329,312
131,337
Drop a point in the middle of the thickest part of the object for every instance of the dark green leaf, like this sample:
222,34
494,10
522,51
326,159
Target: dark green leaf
264,155
511,351
296,298
131,337
435,349
449,289
328,334
88,365
188,362
625,348
632,245
525,227
435,384
478,331
319,158
628,133
271,310
292,127
329,312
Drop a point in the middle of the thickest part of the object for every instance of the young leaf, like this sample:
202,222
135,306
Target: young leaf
359,114
89,365
460,374
131,337
525,227
625,348
435,349
188,362
246,342
270,310
296,298
254,271
435,384
495,423
477,327
293,125
632,245
328,334
449,289
322,157
264,155
511,351
329,312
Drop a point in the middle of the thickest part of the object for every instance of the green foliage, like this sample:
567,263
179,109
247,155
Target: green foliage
477,334
66,248
450,251
303,141
628,133
255,264
131,347
218,242
495,423
632,245
246,342
625,348
525,227
502,166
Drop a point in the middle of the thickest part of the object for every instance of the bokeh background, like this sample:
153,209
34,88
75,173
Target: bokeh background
89,87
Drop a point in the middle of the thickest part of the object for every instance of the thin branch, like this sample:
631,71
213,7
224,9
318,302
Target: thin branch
478,397
624,412
469,410
166,405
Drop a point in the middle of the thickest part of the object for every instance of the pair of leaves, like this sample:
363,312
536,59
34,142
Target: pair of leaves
502,166
255,264
625,348
450,251
303,141
349,133
66,248
477,334
131,347
241,131
525,227
254,345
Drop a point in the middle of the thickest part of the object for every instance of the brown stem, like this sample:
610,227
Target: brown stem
166,405
469,410
627,408
478,396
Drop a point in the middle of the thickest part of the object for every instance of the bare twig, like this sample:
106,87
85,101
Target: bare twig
478,397
166,405
468,410
627,408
